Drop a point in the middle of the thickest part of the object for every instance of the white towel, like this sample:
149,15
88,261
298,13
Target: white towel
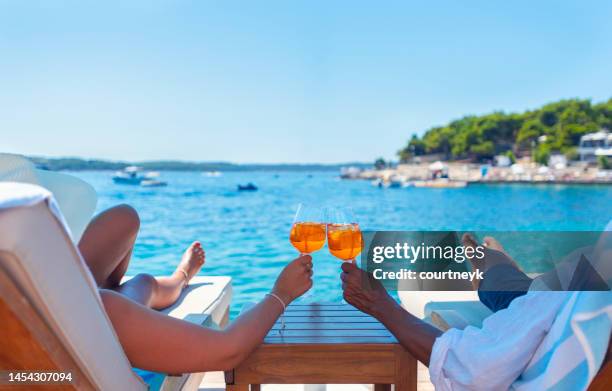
13,194
575,347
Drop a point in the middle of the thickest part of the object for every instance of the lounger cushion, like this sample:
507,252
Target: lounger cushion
209,296
205,300
415,301
457,314
38,254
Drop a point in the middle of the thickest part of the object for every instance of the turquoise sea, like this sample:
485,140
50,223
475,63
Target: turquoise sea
245,234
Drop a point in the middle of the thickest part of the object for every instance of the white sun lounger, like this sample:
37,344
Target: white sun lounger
51,314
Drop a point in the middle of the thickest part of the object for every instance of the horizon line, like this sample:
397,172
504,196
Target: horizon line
181,161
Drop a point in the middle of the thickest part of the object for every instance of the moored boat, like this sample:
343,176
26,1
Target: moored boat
131,176
248,187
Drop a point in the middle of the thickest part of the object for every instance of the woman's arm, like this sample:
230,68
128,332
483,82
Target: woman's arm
156,342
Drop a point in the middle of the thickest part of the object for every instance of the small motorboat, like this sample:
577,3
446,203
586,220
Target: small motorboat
392,182
128,176
131,176
150,180
248,187
153,183
212,174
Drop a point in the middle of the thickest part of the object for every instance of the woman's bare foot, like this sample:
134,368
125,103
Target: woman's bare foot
191,263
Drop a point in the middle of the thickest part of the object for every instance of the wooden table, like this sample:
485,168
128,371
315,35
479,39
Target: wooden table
327,344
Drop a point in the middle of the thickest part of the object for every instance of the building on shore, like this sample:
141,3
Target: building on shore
593,145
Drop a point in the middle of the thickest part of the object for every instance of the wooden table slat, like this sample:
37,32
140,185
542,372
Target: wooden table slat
329,319
330,333
330,326
350,314
327,307
328,340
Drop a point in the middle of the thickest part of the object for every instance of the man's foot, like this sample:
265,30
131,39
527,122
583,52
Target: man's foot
490,259
191,263
494,244
469,241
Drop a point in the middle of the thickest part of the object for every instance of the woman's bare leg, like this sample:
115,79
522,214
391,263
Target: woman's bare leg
162,292
107,245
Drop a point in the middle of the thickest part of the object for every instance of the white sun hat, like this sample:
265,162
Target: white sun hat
76,198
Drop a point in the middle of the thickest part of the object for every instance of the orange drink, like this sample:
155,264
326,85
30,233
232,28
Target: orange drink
344,240
307,237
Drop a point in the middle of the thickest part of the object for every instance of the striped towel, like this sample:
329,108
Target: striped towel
574,349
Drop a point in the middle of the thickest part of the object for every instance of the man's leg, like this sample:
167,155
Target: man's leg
503,280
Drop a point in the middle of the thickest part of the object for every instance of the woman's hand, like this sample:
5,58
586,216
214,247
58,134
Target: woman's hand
294,280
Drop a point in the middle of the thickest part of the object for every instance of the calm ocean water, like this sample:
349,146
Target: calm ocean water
246,233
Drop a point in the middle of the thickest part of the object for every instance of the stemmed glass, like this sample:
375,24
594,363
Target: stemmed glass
344,238
307,234
308,230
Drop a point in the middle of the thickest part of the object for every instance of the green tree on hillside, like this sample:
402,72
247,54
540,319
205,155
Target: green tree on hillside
415,147
482,137
529,132
380,164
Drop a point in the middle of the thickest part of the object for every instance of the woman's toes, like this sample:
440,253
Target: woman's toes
193,259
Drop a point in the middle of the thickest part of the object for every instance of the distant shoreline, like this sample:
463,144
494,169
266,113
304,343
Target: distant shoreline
78,164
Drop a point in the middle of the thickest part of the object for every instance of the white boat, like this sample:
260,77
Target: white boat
392,182
212,174
128,176
153,183
350,172
131,176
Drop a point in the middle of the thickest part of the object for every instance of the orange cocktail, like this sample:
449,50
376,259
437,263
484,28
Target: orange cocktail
307,237
344,240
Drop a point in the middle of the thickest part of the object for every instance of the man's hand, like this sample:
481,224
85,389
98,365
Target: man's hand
362,291
368,295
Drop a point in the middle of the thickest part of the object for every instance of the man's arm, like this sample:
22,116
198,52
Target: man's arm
412,333
369,296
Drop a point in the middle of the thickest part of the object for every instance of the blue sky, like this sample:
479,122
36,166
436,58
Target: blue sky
282,81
